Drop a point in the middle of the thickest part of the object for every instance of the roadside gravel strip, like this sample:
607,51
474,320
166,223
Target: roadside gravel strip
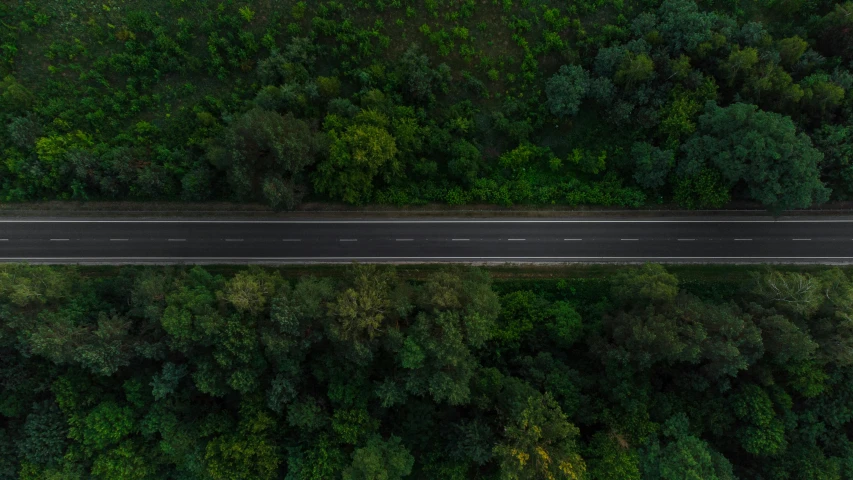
219,210
425,240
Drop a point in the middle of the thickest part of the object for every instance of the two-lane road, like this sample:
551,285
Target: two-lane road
749,239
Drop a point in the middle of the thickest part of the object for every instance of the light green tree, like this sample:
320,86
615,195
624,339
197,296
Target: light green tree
539,442
650,283
359,154
380,460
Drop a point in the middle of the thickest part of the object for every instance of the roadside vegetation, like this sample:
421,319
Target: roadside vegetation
541,102
253,373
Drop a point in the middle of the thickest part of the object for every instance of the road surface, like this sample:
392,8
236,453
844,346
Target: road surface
688,240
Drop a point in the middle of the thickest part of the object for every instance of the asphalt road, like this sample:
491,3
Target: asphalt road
705,240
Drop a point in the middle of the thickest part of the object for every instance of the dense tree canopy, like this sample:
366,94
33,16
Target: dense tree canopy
456,102
637,373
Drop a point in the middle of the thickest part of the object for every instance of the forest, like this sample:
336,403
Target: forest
372,372
401,102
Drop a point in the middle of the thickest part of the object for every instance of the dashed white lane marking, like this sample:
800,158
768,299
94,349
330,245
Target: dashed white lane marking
58,239
404,239
572,239
630,239
177,239
118,239
743,239
291,240
460,239
686,239
349,239
516,239
4,239
802,239
233,239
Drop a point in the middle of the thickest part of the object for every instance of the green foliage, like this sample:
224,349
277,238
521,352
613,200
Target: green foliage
778,164
259,143
836,144
360,152
539,442
683,27
740,62
166,383
653,165
821,94
522,158
566,326
353,425
705,190
124,463
684,456
798,293
44,435
360,311
421,82
250,291
566,90
650,283
762,433
373,373
587,161
248,451
634,69
316,461
380,459
611,459
413,104
791,49
247,13
106,425
22,285
14,97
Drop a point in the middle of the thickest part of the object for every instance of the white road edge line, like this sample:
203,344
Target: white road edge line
572,239
630,239
802,239
460,239
424,221
105,259
516,239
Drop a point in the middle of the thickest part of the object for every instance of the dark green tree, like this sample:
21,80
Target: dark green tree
652,164
259,144
778,165
566,90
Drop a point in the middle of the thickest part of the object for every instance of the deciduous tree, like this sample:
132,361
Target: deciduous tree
761,149
566,90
